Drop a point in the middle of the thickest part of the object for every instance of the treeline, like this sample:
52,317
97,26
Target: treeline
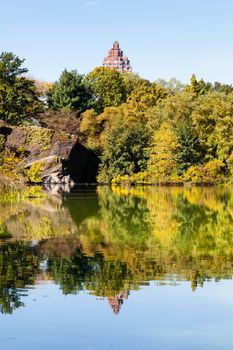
142,131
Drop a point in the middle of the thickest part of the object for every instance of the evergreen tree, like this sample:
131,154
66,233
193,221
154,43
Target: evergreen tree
10,67
69,92
196,87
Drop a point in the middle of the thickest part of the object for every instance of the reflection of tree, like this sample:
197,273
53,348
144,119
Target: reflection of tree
101,277
130,237
18,268
205,233
191,217
71,272
187,230
111,278
126,216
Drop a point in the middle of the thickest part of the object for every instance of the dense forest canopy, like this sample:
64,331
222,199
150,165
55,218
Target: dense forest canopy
142,131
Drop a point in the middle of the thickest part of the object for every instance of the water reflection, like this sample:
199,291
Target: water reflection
110,241
19,267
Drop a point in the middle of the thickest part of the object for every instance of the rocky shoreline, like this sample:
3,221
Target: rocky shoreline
40,155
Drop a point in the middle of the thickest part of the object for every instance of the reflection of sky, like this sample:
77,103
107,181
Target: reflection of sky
152,318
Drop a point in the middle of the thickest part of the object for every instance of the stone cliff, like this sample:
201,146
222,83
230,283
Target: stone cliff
44,155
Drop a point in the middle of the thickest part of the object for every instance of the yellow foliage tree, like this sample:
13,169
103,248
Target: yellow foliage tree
162,164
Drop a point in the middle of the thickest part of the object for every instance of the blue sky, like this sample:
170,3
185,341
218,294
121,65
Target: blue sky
163,38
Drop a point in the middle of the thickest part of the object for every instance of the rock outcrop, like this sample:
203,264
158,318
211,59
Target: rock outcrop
47,156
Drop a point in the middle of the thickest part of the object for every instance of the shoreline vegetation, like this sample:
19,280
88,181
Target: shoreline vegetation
113,128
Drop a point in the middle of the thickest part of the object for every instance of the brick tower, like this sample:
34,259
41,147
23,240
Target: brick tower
117,60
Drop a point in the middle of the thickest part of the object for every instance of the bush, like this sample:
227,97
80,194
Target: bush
209,172
34,173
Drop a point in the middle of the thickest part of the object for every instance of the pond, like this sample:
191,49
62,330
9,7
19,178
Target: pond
117,268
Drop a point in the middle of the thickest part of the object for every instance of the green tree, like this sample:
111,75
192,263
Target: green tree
131,81
69,92
190,151
212,118
107,87
96,127
19,98
147,95
174,109
90,127
172,85
19,101
10,67
124,151
219,87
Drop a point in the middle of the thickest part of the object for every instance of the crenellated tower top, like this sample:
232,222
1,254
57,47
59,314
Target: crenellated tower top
117,60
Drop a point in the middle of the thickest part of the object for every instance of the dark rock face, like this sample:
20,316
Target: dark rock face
60,156
86,164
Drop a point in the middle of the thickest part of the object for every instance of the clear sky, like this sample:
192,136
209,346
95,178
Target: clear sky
162,38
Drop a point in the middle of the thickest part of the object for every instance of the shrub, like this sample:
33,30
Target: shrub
34,173
209,172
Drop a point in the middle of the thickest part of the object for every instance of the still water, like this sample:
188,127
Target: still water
117,268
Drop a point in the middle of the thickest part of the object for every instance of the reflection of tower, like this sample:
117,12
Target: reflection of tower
118,300
117,60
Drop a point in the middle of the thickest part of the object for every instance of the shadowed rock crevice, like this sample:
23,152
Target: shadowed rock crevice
82,165
5,130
